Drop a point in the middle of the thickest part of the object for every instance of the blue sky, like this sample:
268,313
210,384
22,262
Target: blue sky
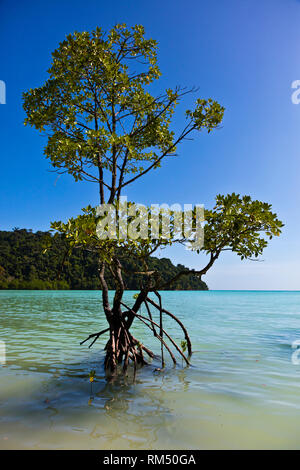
245,54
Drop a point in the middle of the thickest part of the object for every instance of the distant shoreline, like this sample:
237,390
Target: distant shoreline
165,290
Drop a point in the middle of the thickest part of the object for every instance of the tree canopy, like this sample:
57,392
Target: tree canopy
104,125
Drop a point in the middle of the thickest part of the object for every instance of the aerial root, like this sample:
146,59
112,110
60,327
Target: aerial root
123,347
94,335
151,323
187,338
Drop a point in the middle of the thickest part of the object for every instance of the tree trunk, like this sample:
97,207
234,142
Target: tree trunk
122,347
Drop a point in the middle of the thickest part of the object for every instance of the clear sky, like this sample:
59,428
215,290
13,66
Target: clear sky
243,53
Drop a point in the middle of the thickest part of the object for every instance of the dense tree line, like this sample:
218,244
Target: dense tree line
24,265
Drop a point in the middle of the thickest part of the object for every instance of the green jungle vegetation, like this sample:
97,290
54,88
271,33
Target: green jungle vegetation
24,265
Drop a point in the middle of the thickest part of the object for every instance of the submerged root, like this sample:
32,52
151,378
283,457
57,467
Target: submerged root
122,348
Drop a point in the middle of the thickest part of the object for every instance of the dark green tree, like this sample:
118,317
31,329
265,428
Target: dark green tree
23,265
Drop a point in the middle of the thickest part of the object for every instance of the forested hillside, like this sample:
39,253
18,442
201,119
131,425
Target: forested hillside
23,265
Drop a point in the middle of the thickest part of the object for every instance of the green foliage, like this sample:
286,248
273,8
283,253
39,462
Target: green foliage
103,125
239,224
25,266
207,114
183,345
97,111
236,223
80,231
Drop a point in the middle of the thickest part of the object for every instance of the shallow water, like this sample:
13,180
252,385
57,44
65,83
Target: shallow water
241,391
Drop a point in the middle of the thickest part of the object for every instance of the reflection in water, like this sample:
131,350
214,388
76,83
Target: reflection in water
53,412
241,390
125,404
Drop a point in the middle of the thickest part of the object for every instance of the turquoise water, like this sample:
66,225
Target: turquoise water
241,391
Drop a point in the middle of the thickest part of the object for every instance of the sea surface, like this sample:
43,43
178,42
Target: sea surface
242,390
